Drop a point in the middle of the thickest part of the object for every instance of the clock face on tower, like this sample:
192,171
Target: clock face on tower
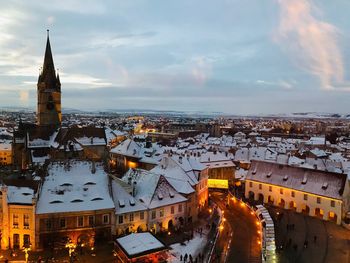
50,106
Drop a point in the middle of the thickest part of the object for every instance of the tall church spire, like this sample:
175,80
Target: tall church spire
49,91
48,74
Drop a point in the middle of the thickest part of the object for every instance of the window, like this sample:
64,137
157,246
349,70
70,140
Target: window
281,191
15,221
270,188
292,194
153,214
180,207
106,219
260,186
48,224
319,200
80,221
26,221
91,220
305,197
131,217
62,223
161,212
142,215
172,210
332,203
120,219
250,184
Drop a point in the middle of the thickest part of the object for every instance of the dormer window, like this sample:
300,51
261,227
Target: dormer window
160,196
285,178
121,203
304,180
325,186
132,201
269,175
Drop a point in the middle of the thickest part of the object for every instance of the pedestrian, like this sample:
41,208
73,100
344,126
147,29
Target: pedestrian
181,257
315,239
185,258
191,259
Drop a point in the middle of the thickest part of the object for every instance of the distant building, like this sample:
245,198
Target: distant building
5,153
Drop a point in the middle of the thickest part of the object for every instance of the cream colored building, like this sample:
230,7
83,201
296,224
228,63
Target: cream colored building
312,192
5,154
17,219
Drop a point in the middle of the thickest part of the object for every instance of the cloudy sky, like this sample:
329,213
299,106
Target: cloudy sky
241,57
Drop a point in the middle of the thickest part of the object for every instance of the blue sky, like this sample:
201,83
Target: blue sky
241,57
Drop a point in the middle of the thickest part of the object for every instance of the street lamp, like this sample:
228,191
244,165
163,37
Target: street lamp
71,247
26,254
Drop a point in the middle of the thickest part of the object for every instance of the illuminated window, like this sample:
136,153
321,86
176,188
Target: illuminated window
26,221
15,221
281,191
161,212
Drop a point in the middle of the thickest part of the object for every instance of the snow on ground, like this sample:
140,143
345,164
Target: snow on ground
193,247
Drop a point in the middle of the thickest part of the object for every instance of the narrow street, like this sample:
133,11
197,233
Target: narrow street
239,237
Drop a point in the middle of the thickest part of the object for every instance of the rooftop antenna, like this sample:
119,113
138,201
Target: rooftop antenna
47,30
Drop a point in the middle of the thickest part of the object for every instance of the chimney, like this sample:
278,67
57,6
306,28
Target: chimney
134,189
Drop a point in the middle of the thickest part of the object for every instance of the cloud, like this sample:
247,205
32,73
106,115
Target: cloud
310,42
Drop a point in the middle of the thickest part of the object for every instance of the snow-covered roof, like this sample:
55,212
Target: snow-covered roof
140,244
19,195
72,186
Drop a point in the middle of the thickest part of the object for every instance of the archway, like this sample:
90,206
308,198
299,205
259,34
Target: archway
170,225
305,209
270,200
282,203
293,205
319,213
332,217
251,196
261,198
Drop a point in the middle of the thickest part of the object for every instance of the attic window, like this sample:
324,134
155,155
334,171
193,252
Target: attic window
26,194
132,201
56,202
254,171
171,194
66,184
269,174
325,185
97,199
90,183
121,203
285,178
304,180
76,201
160,196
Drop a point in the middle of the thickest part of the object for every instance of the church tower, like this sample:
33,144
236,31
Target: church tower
49,92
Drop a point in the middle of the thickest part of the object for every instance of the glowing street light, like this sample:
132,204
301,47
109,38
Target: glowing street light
71,247
26,254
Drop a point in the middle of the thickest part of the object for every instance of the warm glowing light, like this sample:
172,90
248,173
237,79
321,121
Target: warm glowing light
259,242
224,219
218,183
242,204
132,164
210,210
257,223
169,233
259,232
221,228
252,213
